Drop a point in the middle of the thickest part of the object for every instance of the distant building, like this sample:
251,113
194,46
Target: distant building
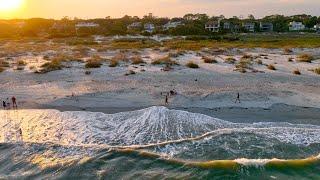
213,26
87,25
148,27
249,26
266,27
227,25
317,27
296,26
135,25
170,25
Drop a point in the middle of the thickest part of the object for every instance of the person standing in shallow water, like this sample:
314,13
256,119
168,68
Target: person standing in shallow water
238,98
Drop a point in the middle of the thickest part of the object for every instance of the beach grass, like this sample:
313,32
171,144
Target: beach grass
305,58
192,65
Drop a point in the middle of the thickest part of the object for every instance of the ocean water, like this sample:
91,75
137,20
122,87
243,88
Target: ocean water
153,143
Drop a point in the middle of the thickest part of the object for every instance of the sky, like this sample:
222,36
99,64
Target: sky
164,8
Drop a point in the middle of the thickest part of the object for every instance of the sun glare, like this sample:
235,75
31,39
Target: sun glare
9,5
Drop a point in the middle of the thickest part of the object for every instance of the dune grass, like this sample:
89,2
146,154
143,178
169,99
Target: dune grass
53,65
209,60
2,69
165,61
305,58
230,60
296,72
192,65
317,70
271,67
137,60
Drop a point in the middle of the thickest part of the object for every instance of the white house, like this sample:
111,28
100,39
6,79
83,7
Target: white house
317,27
213,26
249,26
170,25
148,27
135,25
227,25
87,25
296,26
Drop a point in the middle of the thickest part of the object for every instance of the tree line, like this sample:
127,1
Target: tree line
193,25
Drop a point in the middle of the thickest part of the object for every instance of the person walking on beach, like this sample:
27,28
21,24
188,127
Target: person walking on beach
14,102
8,104
238,98
4,104
167,101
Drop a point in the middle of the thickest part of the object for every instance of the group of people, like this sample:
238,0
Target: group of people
174,92
6,104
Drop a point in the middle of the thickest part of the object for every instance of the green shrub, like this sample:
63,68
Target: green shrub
305,58
1,69
192,65
259,62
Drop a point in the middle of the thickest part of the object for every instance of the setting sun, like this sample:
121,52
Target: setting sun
9,5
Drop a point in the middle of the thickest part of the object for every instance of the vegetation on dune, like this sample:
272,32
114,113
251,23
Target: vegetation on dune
113,63
271,67
4,63
290,59
94,62
259,61
1,69
165,61
192,65
137,60
131,72
51,66
305,58
230,60
287,51
209,60
296,72
21,63
317,70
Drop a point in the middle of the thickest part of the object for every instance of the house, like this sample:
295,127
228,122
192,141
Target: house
317,28
148,27
135,25
227,25
296,26
170,25
87,25
249,26
213,26
266,27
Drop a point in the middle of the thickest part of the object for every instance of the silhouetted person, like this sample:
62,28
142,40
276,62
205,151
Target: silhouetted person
4,104
14,102
167,102
238,98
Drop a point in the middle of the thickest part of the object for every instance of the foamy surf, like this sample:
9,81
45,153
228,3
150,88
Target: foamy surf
164,133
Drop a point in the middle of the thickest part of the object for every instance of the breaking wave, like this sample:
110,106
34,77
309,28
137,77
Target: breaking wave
188,139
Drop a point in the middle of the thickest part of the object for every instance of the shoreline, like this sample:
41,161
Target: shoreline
275,113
